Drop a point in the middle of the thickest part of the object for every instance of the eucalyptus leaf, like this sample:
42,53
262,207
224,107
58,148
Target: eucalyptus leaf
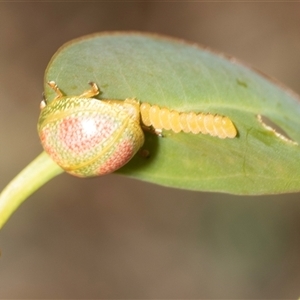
187,78
184,77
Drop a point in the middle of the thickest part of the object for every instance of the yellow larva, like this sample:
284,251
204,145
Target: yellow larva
205,123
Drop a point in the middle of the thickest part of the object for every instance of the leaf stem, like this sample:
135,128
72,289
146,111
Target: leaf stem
31,178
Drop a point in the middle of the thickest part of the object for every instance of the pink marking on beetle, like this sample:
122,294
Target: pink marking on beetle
45,136
119,158
81,134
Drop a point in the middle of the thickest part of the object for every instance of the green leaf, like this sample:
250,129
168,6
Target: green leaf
176,75
183,77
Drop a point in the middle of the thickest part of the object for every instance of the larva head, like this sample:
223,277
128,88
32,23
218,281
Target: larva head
89,137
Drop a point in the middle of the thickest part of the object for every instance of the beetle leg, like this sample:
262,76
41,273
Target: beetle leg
56,89
91,92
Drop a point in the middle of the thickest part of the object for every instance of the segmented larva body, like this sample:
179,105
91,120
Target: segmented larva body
205,123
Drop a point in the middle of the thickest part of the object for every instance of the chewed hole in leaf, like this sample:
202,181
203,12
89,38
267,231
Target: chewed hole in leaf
277,130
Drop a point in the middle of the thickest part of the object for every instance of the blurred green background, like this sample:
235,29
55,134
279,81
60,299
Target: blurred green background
113,237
